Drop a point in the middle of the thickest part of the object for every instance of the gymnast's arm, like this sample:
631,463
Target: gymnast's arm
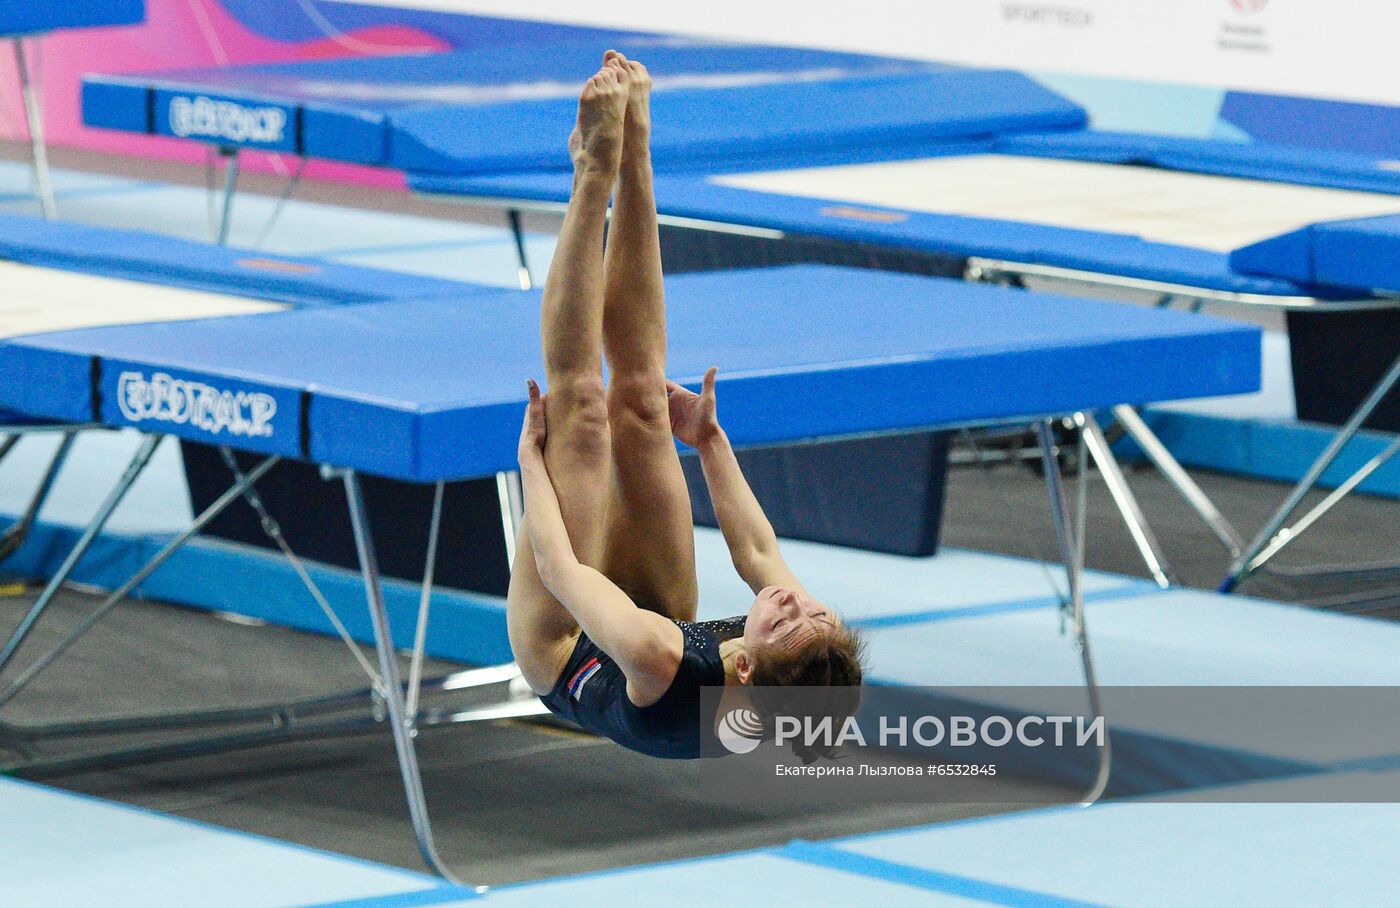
753,546
646,646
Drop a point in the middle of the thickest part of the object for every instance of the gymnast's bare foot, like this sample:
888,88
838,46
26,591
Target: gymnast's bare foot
636,134
596,142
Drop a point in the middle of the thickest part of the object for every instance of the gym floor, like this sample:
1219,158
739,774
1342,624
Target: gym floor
508,797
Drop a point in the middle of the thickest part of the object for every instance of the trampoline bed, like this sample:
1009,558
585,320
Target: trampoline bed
1217,213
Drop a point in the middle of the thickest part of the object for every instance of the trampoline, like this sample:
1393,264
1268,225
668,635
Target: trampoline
982,173
891,353
509,109
1181,220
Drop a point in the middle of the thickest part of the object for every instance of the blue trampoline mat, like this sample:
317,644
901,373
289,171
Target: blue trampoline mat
1221,157
511,108
1361,255
1327,259
386,393
23,18
158,259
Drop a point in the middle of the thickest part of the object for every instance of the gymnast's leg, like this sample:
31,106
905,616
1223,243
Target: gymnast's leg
542,632
650,542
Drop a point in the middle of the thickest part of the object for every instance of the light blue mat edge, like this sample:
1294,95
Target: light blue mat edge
103,803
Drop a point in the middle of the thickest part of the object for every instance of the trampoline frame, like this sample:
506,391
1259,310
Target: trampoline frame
390,700
34,123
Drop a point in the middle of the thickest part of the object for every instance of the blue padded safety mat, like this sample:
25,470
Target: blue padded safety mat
380,84
1362,254
433,389
1252,160
157,259
13,418
511,108
25,17
703,124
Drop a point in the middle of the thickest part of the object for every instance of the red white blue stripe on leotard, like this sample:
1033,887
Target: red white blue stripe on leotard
580,678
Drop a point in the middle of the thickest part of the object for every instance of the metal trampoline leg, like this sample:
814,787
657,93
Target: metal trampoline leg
389,671
425,600
1273,537
14,536
1128,506
1288,534
1071,550
33,115
1176,474
517,231
512,509
230,187
89,535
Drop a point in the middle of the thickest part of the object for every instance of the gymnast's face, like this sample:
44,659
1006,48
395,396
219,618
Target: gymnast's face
784,621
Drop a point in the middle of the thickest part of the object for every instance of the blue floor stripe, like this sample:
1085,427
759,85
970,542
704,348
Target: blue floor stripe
1369,764
630,869
443,895
932,880
1125,591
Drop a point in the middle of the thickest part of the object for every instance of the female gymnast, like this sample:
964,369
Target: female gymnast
603,592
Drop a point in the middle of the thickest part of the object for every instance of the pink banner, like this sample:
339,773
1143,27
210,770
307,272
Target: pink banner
180,34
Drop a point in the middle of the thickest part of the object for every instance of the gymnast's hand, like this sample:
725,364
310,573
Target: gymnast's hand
533,432
693,416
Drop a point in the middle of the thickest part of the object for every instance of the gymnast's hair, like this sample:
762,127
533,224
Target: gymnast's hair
818,682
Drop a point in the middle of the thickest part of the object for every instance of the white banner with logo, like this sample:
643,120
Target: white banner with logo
1338,49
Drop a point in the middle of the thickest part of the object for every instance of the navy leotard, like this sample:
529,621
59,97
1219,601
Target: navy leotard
592,693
